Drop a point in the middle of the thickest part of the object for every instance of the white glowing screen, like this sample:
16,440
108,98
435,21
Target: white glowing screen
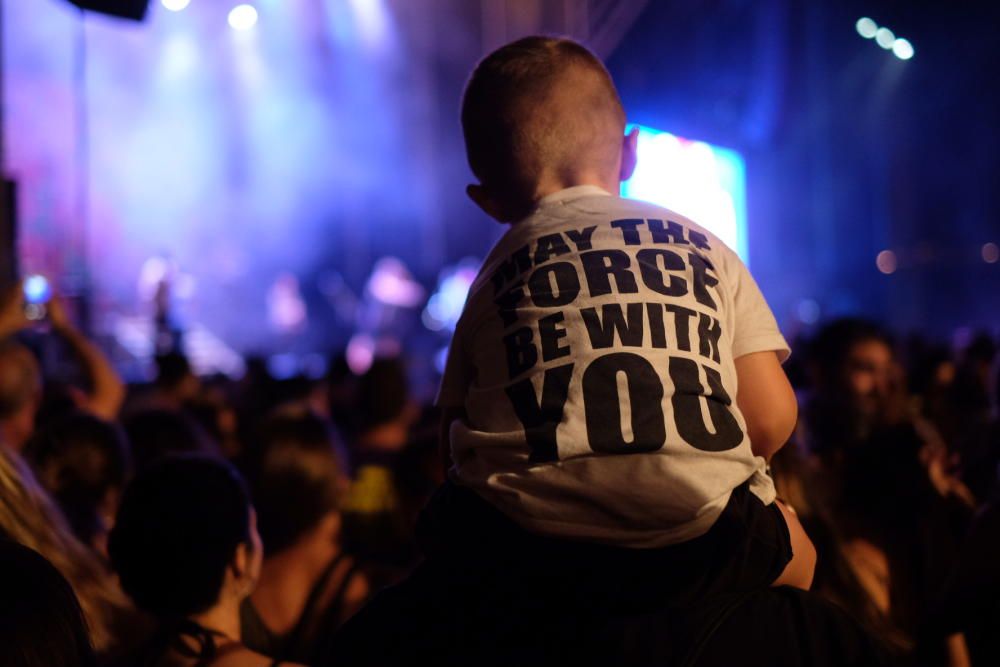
702,182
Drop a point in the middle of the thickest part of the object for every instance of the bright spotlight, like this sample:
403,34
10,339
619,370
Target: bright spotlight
866,27
902,48
884,38
175,5
886,262
242,17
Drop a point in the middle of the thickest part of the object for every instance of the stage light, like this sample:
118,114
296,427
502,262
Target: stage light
445,305
242,17
885,38
808,311
866,27
886,262
991,253
902,48
360,353
175,5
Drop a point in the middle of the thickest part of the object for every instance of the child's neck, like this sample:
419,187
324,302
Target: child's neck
553,183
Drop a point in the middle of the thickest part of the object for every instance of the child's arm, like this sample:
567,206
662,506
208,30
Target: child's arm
767,401
800,570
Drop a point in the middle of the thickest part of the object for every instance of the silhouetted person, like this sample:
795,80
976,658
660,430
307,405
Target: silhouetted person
41,623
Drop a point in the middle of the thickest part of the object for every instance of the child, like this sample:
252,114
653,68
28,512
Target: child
615,377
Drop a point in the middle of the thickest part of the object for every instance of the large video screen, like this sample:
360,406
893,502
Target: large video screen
700,181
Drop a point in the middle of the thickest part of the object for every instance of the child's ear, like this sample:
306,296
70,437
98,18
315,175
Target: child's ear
630,154
483,200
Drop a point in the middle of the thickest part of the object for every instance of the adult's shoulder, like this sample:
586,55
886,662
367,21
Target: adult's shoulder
240,656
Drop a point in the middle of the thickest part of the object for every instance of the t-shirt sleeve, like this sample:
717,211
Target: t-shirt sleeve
755,329
457,373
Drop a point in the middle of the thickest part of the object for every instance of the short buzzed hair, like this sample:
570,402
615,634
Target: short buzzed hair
539,103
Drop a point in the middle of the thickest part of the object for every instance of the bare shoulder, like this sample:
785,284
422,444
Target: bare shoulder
357,593
244,657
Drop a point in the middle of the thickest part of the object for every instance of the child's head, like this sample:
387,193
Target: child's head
541,114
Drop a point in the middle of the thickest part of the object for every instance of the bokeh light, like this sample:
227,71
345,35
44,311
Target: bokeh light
886,262
866,27
242,17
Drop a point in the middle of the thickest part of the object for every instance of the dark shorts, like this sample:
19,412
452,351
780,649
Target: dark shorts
746,549
490,593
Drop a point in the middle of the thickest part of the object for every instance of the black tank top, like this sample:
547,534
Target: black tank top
297,645
205,652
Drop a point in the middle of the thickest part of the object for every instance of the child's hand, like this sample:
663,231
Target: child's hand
802,568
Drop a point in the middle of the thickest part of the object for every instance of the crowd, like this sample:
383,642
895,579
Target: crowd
216,521
196,519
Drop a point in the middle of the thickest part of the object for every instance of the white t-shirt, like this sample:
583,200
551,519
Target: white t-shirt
594,360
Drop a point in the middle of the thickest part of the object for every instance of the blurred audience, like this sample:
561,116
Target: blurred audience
83,462
186,549
29,517
155,433
893,471
20,394
175,382
309,585
21,386
375,523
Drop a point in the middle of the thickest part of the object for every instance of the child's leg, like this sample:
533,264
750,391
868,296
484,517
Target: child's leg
800,570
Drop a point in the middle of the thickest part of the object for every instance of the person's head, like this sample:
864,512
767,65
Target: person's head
297,480
214,414
156,433
82,461
184,540
175,377
538,115
383,395
20,394
855,357
41,622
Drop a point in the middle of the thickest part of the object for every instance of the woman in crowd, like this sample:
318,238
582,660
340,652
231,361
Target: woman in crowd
41,623
186,549
308,586
30,518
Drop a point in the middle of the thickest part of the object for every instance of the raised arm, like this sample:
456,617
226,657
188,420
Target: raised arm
767,401
12,318
107,391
